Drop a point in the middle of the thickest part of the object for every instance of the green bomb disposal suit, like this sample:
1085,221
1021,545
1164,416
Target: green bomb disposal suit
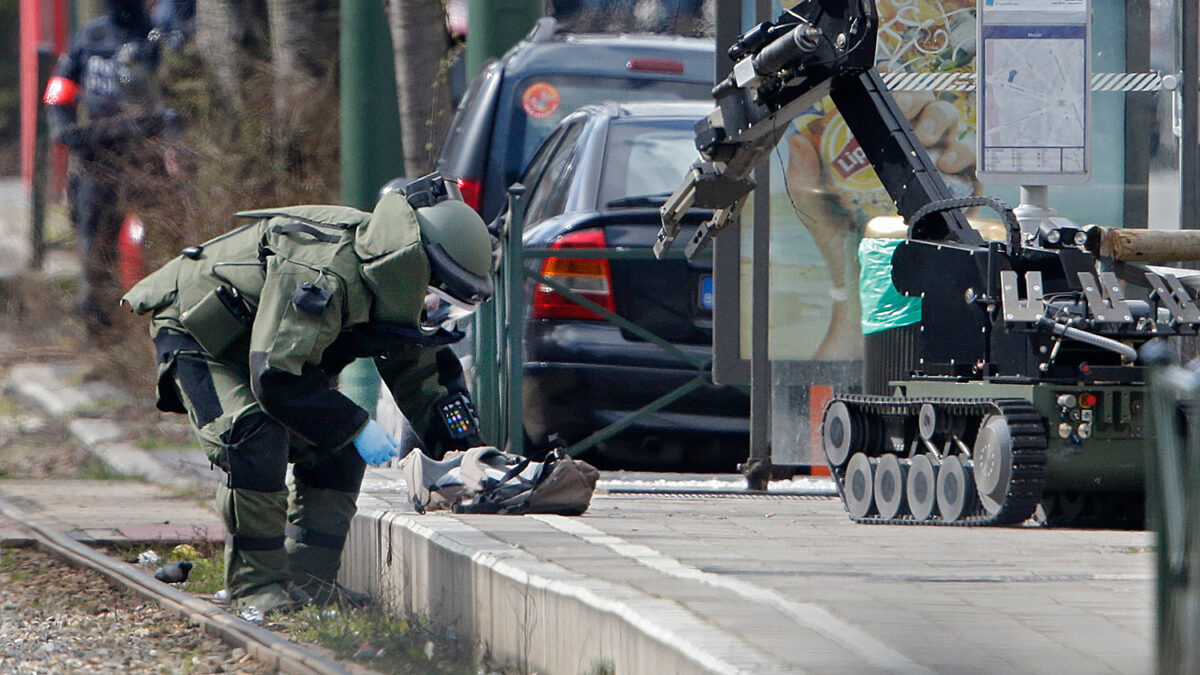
249,329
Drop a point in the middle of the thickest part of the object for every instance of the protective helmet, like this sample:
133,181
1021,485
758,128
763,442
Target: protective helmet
459,249
393,185
127,13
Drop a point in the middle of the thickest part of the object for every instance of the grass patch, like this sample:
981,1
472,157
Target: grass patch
8,566
97,406
208,563
382,641
94,468
371,636
601,667
202,495
151,442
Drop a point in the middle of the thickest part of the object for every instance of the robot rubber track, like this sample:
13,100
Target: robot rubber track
965,462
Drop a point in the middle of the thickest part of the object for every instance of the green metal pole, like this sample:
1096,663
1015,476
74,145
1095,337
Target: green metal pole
485,388
371,152
40,193
513,328
497,25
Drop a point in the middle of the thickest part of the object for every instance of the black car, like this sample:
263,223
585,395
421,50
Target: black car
514,103
597,182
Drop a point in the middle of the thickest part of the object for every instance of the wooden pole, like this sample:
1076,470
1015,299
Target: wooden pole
1151,246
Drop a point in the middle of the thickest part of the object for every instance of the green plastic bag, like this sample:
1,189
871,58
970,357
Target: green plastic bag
883,307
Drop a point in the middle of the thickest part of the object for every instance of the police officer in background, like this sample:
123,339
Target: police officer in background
250,328
101,102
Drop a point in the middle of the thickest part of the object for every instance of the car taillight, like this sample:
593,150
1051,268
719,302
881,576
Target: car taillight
472,192
589,277
648,64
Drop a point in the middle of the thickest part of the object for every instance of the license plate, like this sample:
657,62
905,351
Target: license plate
706,292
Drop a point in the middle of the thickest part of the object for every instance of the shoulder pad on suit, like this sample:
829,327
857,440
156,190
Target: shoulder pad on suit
343,217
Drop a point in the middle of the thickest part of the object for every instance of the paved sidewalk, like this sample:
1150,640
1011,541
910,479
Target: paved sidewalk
105,512
765,584
661,583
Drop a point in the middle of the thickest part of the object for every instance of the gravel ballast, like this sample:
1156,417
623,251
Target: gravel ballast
56,618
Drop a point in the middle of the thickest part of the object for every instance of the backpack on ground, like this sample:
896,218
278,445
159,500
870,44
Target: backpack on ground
488,480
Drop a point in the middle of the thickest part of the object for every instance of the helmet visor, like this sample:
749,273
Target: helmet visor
443,310
456,280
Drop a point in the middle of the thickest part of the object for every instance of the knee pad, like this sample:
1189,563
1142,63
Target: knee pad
343,471
257,452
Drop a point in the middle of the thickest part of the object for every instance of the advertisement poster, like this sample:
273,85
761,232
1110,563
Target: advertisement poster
824,192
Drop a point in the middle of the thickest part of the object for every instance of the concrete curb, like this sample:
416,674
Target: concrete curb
529,611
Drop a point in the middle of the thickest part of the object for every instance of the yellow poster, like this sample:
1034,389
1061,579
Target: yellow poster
831,188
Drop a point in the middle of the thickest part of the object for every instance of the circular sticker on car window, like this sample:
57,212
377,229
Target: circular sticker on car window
540,100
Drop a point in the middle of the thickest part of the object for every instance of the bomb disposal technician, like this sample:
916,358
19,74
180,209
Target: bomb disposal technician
249,329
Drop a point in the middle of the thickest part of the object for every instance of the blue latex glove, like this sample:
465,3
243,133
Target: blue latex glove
374,444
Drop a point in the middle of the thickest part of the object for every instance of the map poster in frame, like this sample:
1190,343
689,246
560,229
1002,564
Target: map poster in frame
1033,83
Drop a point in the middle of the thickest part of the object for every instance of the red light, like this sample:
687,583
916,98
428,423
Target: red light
649,64
589,277
1087,400
471,190
61,91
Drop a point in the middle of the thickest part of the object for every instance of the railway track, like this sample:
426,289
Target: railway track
260,643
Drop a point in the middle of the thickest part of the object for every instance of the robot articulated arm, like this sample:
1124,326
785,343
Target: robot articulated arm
781,68
989,310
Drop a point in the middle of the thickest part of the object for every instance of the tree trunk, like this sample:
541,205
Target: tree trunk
420,45
224,28
304,47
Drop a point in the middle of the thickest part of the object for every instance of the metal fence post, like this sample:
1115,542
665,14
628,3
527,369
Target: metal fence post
1173,504
486,390
40,188
513,323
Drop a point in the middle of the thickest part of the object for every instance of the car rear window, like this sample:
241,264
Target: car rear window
540,102
455,133
549,195
646,158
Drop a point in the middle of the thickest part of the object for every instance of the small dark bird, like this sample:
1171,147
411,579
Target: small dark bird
173,573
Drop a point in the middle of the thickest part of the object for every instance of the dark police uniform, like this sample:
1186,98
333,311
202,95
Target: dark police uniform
106,76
